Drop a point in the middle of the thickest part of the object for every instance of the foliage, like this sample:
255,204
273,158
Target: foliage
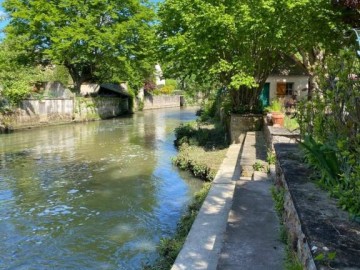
19,77
276,105
170,247
258,166
55,73
149,85
291,260
209,136
171,82
16,76
314,29
271,157
230,41
192,158
332,121
197,89
95,40
238,44
290,123
164,90
323,159
278,195
202,148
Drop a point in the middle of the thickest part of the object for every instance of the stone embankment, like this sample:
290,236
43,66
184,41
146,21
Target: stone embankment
41,112
229,231
322,235
237,227
163,101
53,111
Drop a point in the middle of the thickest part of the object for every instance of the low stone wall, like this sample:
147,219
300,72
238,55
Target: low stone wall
317,228
33,112
278,135
239,124
163,101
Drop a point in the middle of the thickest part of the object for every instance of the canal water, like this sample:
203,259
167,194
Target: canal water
95,195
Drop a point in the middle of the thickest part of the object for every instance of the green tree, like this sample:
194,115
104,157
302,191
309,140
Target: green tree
314,31
235,42
95,39
16,75
240,42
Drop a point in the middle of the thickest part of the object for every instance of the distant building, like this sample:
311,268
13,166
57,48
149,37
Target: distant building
289,83
105,89
159,79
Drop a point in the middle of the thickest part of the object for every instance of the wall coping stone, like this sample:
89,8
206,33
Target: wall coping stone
324,227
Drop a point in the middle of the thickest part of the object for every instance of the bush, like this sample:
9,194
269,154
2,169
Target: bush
332,121
209,136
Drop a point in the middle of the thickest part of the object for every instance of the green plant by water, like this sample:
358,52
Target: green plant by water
170,247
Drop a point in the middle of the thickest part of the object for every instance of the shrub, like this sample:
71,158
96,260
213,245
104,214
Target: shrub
330,123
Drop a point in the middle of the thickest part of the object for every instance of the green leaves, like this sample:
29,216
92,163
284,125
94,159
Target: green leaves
94,39
234,41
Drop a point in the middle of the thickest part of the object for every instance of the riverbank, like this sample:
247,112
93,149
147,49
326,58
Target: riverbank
40,112
203,157
31,113
110,183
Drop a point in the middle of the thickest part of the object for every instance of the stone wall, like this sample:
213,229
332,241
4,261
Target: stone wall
99,108
323,236
292,223
275,135
163,101
239,124
34,112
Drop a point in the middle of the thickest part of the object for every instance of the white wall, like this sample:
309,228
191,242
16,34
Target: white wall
300,83
163,101
89,88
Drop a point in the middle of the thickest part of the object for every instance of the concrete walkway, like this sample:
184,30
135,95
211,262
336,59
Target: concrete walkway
252,239
237,227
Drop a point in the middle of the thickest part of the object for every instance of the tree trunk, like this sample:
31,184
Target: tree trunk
245,100
79,74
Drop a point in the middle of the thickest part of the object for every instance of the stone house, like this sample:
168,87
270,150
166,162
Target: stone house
288,83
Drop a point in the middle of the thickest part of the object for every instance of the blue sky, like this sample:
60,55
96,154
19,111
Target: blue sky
2,23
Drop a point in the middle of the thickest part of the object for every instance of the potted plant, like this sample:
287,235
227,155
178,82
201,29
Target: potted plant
276,110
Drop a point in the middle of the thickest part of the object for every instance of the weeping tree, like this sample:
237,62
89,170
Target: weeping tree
95,39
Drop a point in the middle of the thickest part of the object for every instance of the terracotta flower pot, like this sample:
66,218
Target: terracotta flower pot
278,119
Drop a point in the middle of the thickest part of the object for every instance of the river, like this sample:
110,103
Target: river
96,195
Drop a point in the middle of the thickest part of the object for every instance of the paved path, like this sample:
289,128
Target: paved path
252,235
236,227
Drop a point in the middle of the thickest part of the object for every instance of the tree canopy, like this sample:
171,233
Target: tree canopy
240,42
94,39
230,40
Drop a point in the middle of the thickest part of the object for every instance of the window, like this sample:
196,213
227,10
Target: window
285,89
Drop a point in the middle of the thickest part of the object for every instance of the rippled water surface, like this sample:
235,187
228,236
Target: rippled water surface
97,195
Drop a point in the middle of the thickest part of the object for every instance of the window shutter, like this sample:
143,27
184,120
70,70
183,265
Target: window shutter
281,89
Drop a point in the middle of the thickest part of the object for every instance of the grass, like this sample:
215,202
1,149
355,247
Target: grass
291,123
291,260
202,148
203,164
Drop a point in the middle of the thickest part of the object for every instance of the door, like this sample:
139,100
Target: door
265,95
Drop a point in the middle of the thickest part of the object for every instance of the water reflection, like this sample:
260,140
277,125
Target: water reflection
97,195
